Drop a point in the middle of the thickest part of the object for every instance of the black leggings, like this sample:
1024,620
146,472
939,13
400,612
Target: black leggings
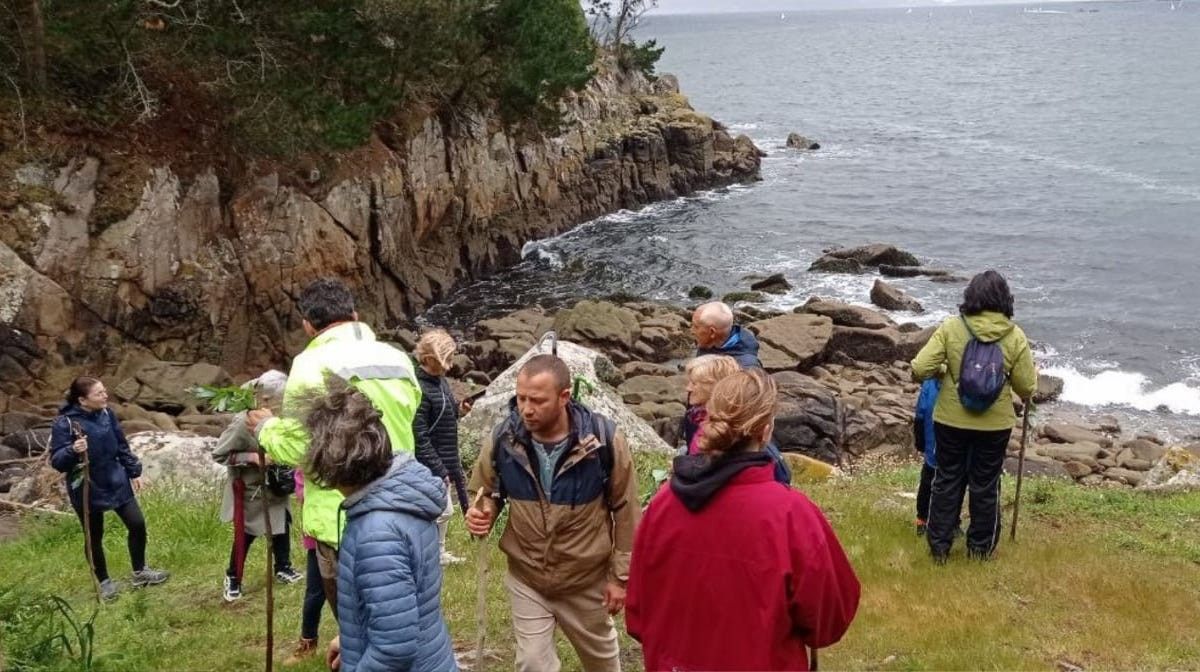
131,515
281,550
925,492
314,598
968,461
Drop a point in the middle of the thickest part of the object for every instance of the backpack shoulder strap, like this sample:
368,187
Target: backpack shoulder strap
605,430
498,434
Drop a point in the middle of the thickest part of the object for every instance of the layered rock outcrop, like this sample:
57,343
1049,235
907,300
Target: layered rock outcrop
204,271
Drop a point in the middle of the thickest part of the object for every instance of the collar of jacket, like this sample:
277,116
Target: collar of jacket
76,411
346,331
698,478
579,418
735,338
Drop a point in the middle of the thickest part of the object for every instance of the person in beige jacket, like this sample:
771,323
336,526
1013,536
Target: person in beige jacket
246,489
567,475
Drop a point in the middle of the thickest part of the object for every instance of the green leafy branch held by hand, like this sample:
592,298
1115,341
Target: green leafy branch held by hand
225,399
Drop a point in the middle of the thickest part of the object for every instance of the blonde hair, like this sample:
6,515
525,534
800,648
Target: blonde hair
741,407
706,370
438,345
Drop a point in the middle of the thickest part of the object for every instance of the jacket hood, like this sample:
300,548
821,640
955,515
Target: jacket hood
741,341
989,326
407,487
698,478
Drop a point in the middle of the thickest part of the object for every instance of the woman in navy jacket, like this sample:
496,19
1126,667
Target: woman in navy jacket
86,425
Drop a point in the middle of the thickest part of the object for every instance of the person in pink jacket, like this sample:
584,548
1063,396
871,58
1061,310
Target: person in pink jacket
703,373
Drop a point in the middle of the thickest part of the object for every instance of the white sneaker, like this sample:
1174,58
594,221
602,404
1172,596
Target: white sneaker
449,558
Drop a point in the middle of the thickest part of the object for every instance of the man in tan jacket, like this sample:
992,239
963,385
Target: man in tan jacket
568,476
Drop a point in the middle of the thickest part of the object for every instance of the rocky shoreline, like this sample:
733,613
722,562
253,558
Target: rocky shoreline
846,393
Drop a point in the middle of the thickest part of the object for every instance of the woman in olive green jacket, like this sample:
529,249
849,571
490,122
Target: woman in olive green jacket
971,445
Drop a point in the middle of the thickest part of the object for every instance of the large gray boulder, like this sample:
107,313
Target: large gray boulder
792,342
589,364
876,254
846,315
806,420
1049,388
797,141
882,346
892,298
1178,470
601,324
1063,433
176,456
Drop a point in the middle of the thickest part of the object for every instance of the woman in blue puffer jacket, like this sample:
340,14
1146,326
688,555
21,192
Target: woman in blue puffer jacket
87,427
389,574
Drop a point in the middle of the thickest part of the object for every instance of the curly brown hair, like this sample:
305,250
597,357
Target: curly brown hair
348,444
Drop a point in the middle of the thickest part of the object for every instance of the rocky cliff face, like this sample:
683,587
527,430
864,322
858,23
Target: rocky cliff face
200,272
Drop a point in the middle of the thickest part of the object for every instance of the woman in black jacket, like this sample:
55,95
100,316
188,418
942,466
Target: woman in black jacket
86,432
435,426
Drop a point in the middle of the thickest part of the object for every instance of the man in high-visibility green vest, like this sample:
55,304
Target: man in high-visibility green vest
341,346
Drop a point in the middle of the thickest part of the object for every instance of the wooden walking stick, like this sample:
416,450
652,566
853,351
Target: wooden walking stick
481,571
78,433
269,543
1012,536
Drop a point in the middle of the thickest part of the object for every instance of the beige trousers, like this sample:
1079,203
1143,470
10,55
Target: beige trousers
582,617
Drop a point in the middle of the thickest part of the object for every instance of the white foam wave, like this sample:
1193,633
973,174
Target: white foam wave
1125,388
537,251
750,126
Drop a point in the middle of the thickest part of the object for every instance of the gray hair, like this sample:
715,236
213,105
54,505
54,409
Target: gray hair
269,386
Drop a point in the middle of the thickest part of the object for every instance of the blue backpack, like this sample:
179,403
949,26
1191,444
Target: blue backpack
982,377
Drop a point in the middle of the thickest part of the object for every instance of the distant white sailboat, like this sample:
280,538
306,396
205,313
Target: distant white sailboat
909,11
782,16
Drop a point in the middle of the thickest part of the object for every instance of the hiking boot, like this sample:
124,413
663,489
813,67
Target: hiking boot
288,575
305,649
149,577
109,590
449,558
233,589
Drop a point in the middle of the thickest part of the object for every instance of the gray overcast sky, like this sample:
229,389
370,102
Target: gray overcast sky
689,6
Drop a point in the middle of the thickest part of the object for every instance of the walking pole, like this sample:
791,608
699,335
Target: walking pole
481,571
269,543
1020,470
77,431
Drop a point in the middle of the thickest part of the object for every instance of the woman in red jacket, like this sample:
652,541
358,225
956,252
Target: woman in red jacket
731,570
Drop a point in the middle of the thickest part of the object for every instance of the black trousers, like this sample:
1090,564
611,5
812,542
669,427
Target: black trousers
131,515
967,461
314,599
281,549
925,491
